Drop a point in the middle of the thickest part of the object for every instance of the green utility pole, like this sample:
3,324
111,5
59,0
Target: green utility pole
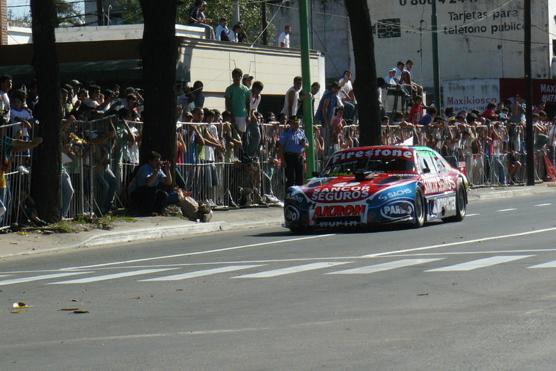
529,132
306,73
434,23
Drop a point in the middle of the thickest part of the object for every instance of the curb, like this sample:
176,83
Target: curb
172,232
511,193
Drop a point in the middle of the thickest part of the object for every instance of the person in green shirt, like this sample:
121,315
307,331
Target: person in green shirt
237,100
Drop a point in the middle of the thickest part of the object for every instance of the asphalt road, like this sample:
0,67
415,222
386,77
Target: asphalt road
476,295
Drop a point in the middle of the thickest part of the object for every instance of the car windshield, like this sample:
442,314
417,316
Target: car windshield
341,164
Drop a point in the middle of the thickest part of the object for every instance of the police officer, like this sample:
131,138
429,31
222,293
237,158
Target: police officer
292,149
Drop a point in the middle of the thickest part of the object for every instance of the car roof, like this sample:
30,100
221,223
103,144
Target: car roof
391,147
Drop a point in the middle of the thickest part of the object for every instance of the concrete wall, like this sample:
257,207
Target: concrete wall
477,38
213,62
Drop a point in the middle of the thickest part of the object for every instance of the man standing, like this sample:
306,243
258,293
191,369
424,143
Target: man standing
284,37
347,96
222,31
197,18
292,148
238,100
325,112
291,99
308,99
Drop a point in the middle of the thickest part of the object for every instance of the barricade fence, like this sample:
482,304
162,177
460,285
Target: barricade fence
99,157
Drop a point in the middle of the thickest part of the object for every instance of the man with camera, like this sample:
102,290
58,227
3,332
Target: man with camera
147,188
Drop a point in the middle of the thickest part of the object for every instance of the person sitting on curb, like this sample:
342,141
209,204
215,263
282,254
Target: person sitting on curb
146,189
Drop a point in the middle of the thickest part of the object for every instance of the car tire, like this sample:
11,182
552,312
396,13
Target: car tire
419,213
461,205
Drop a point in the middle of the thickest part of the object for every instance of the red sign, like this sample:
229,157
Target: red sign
544,91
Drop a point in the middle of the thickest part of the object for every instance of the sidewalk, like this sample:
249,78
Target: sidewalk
151,228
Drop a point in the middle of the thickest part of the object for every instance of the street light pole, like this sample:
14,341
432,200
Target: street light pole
436,73
529,133
306,73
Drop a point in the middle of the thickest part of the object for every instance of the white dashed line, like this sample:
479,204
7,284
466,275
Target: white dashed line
473,215
543,205
505,210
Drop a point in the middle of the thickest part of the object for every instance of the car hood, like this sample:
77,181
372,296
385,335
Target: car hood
347,189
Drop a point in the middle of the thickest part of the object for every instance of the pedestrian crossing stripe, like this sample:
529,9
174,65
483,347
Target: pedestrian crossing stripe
39,278
291,270
551,264
479,263
202,273
111,276
386,266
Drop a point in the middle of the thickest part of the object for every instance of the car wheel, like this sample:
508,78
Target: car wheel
461,205
419,212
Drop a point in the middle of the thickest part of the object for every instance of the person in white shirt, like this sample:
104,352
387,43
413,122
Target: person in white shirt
400,66
347,96
256,96
391,78
291,99
284,37
5,87
222,31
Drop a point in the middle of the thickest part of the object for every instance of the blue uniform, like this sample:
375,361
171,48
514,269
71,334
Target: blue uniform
290,141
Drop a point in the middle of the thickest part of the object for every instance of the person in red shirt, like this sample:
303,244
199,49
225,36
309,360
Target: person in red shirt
490,112
416,112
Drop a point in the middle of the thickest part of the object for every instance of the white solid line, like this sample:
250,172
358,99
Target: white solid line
202,252
203,273
493,238
290,270
110,276
385,266
473,215
479,263
505,210
551,264
38,278
543,205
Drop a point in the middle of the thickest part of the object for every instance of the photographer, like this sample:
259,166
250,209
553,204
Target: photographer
146,189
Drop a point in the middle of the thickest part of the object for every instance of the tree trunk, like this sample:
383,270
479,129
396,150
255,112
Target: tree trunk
45,183
366,89
159,52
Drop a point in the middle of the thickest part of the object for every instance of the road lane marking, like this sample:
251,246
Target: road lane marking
473,215
479,263
543,205
505,210
291,270
551,264
113,276
385,266
478,240
202,252
39,278
203,273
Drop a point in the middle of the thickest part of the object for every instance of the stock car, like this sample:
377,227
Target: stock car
378,185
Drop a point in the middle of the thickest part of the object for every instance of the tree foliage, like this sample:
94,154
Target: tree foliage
250,14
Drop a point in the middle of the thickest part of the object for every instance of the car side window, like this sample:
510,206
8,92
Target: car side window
440,165
425,162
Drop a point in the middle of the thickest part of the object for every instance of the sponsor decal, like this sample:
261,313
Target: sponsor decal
339,211
291,214
384,196
439,185
355,155
341,192
442,206
338,224
397,210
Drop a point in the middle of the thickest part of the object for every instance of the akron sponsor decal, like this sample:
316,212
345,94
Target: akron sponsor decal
341,192
355,155
397,210
339,214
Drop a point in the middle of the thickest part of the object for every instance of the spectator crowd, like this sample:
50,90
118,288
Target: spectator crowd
237,156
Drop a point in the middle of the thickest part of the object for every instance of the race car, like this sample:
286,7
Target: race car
378,185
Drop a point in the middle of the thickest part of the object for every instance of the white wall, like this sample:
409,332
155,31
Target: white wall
482,52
